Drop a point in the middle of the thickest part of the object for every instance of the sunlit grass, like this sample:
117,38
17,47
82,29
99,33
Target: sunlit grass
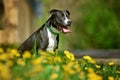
59,65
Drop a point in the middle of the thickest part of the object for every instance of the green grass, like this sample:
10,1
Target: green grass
60,65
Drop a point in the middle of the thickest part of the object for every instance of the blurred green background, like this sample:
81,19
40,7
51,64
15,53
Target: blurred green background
95,23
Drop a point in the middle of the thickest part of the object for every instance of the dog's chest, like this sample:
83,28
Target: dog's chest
52,42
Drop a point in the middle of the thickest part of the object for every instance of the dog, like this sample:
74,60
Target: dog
46,38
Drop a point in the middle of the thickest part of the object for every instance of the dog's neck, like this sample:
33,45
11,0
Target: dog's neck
51,27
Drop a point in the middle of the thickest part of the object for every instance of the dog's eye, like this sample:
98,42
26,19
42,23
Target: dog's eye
68,16
67,12
61,15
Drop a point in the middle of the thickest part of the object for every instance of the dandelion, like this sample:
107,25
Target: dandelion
77,68
4,57
98,66
69,55
21,62
13,53
68,69
82,75
17,54
118,72
4,71
43,53
57,59
52,52
9,63
111,78
27,55
86,68
93,76
53,76
93,61
90,70
88,58
36,61
5,74
111,63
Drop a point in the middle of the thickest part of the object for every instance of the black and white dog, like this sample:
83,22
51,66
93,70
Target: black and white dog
47,37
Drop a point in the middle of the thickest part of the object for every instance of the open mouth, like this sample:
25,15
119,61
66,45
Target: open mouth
64,29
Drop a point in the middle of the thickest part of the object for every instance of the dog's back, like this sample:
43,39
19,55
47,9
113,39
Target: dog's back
36,39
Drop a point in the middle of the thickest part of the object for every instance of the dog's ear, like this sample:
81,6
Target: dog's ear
53,11
67,12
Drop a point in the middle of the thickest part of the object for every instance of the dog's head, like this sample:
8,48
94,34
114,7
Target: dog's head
61,20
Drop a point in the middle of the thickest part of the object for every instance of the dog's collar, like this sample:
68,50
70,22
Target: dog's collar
52,29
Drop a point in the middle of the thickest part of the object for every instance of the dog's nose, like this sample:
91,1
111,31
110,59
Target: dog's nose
69,22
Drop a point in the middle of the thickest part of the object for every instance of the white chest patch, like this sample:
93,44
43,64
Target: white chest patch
52,41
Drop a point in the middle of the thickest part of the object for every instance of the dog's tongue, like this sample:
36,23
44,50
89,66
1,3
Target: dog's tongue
65,30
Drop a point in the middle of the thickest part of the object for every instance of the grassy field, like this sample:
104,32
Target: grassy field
59,65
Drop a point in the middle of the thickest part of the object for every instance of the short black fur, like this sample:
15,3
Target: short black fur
41,36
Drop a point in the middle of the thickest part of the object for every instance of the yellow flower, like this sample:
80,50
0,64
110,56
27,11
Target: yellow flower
89,59
68,68
4,57
90,70
57,59
13,53
69,55
93,61
118,72
111,78
5,74
21,62
82,75
53,76
77,68
86,68
51,51
93,76
1,50
111,63
27,55
9,63
66,52
17,54
36,61
98,66
43,53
